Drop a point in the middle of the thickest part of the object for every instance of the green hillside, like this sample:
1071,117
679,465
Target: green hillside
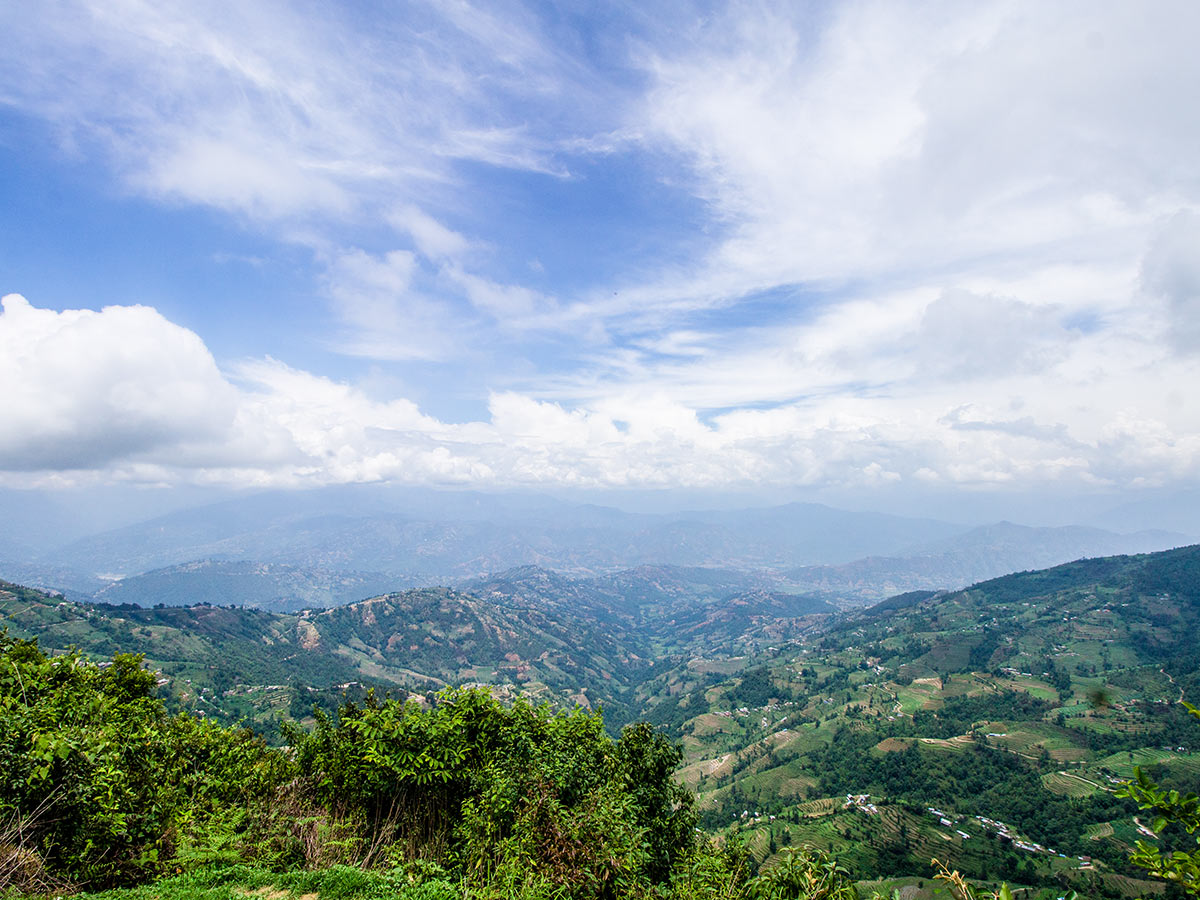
1007,712
989,728
585,641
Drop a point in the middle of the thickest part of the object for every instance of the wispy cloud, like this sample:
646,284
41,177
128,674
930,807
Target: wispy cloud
917,141
928,243
145,401
305,123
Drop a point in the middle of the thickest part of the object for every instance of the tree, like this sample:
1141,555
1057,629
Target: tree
804,874
1170,808
645,762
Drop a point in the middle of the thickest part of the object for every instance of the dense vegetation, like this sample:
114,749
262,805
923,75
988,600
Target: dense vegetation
1173,809
465,798
989,728
100,786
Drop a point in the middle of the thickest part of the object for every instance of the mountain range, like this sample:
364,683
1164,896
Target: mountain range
290,551
987,726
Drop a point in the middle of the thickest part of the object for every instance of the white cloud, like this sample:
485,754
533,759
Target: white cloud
387,316
259,180
312,125
85,389
275,111
1171,274
433,239
126,394
915,138
506,303
967,336
943,243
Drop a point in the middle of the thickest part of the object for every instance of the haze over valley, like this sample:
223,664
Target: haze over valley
702,450
289,551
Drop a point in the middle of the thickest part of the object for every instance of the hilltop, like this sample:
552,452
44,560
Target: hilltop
986,726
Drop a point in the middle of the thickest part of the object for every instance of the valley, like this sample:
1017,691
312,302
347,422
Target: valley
989,727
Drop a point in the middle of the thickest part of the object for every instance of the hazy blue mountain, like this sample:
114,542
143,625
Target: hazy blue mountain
804,533
1174,510
274,586
423,535
296,549
49,577
976,555
33,522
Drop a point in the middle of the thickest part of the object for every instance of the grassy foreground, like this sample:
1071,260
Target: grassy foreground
334,883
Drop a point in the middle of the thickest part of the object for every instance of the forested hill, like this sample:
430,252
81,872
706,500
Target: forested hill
589,641
1092,615
988,726
603,639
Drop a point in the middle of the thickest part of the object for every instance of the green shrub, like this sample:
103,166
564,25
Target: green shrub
803,874
511,794
1170,808
99,785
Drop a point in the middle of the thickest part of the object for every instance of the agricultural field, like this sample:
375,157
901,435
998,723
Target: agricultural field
997,702
990,727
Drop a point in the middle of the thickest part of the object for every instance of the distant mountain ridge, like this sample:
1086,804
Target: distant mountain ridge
976,555
274,586
290,551
454,544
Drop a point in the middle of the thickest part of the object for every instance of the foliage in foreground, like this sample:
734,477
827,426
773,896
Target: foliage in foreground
1171,809
99,786
800,875
466,799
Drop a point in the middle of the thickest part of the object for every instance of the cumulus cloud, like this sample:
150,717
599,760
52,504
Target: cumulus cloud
125,393
83,389
963,335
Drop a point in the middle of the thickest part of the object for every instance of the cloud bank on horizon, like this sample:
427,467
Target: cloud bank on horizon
714,246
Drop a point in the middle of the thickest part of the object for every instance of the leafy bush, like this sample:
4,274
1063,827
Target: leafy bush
803,874
1171,809
98,785
501,793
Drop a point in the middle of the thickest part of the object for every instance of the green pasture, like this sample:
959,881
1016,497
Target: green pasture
727,666
1035,687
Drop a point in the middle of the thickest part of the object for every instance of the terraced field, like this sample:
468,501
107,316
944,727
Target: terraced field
1071,785
966,697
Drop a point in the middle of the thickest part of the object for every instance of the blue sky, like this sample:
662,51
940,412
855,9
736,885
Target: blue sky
839,248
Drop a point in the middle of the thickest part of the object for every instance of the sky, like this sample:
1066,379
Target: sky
848,248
